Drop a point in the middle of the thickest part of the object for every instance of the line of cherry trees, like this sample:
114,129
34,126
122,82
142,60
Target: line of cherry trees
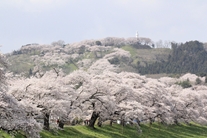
104,96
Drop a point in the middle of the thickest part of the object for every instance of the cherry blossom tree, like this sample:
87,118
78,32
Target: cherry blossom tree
44,95
13,116
93,96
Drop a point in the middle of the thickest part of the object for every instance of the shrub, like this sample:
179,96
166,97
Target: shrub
185,84
198,81
114,60
98,43
206,79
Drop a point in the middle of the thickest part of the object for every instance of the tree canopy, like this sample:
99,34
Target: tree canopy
189,57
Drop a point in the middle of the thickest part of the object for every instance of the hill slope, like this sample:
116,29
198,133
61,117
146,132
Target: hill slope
110,54
119,54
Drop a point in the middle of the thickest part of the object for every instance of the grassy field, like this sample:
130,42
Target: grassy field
117,131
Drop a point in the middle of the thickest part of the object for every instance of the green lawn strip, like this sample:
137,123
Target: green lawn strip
95,133
181,131
189,131
66,133
117,131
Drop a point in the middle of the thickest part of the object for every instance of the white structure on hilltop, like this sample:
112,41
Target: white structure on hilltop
137,35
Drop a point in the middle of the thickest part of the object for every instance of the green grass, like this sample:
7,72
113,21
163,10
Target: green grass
132,50
4,135
117,131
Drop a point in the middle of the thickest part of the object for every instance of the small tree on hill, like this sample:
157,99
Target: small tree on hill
198,81
58,43
98,43
206,79
185,84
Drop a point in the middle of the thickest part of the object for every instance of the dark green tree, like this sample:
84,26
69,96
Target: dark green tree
198,81
189,57
185,84
30,72
98,43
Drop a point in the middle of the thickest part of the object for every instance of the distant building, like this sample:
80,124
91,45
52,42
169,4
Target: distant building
137,35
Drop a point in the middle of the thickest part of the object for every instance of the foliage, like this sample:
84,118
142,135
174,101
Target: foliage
184,84
206,79
189,57
198,81
114,61
98,43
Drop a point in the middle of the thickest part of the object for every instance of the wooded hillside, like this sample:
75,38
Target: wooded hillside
188,57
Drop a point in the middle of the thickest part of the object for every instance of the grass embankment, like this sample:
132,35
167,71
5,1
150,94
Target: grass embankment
116,131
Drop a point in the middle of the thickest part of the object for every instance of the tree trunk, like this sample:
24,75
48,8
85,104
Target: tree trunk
46,121
138,128
151,120
123,122
111,122
93,119
99,122
61,124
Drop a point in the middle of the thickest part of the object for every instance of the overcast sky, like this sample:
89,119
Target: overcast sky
44,21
